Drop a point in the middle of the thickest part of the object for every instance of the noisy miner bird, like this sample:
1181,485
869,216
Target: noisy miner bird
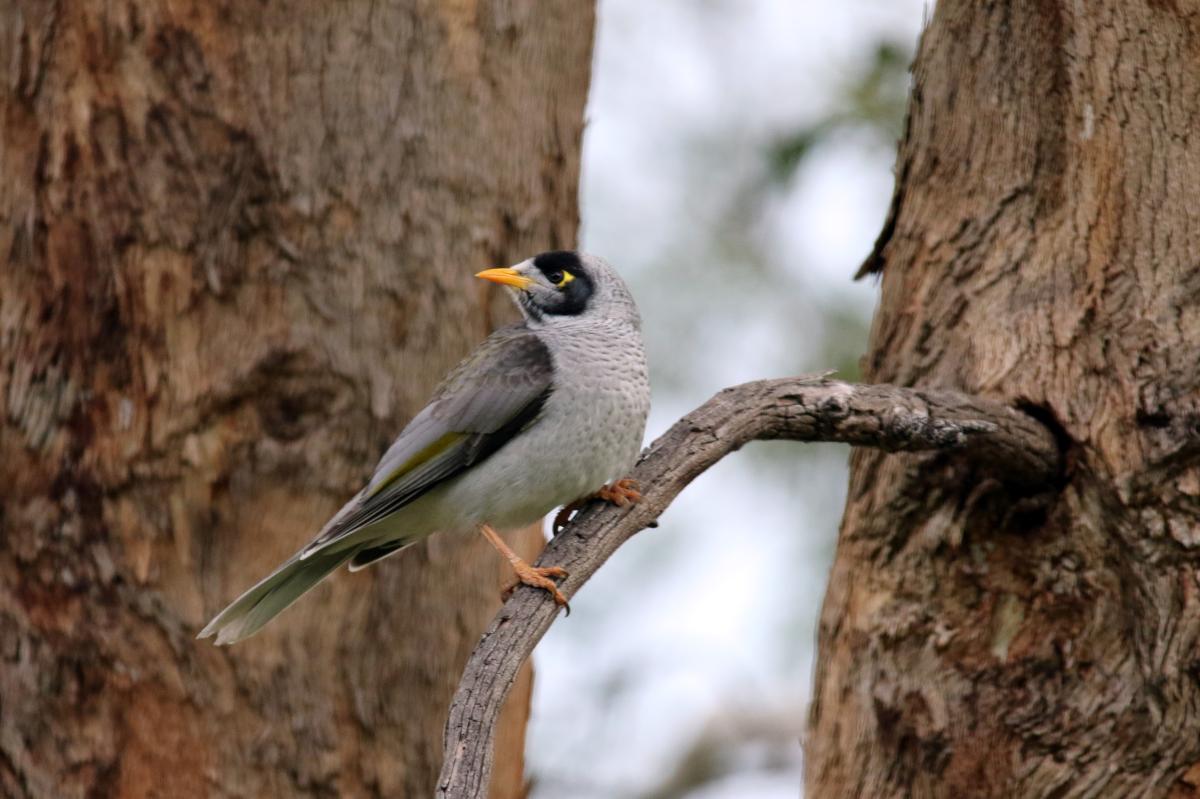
544,413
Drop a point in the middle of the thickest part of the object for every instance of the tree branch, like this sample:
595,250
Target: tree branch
999,440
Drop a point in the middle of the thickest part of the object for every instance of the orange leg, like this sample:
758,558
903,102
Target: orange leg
536,576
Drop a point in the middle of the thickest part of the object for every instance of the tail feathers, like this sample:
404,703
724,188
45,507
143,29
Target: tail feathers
253,609
365,557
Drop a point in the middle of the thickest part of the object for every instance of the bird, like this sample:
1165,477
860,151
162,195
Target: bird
548,412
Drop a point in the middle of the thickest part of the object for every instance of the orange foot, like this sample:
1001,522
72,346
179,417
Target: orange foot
622,493
536,576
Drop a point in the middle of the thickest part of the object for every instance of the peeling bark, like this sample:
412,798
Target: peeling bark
238,242
1042,250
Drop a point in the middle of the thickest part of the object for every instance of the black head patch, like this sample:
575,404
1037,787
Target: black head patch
558,261
571,298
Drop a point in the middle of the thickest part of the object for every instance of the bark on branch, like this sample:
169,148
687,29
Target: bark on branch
1008,444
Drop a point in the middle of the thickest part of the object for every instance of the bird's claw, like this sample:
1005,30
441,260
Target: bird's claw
622,493
538,577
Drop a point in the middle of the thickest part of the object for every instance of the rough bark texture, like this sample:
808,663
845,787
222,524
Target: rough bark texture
237,244
994,439
1043,249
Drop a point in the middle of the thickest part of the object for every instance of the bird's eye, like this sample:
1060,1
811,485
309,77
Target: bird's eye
556,278
560,278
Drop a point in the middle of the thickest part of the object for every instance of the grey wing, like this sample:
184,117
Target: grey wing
490,397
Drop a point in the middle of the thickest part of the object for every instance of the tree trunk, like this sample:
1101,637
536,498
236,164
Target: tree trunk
238,246
976,639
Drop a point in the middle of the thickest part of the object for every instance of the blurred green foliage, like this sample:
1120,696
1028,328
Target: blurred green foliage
873,100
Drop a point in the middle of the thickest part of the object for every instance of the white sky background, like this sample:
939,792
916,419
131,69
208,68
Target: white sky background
713,614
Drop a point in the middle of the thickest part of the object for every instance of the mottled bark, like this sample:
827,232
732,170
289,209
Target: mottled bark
238,242
1043,250
994,440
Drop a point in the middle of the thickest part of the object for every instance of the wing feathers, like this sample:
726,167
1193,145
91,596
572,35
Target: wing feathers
429,453
489,398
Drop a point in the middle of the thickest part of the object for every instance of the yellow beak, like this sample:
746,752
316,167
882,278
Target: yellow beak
506,276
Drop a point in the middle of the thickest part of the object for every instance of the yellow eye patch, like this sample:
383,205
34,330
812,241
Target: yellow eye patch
567,277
